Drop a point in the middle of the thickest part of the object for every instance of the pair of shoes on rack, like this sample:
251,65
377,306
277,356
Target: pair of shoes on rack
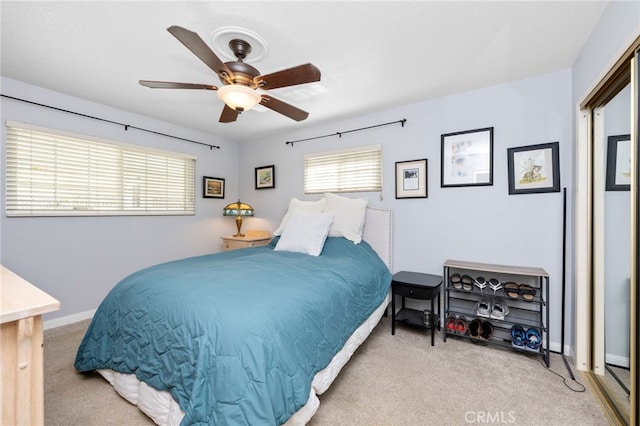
529,340
464,282
493,284
514,291
456,324
479,329
490,308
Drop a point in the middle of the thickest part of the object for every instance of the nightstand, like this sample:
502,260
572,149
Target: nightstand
415,285
251,239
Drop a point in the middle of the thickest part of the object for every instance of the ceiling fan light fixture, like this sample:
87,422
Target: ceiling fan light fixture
239,97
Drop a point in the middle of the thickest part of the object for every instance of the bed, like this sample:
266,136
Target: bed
250,336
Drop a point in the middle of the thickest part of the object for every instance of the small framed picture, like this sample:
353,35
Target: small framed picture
618,163
411,179
534,168
212,187
467,158
265,177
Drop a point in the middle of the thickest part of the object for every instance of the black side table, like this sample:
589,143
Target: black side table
415,285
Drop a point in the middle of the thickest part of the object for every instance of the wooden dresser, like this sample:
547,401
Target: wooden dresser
21,308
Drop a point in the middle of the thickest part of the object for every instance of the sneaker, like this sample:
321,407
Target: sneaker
533,340
499,310
483,308
518,337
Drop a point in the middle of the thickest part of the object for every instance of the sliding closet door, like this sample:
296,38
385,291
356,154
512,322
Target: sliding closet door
611,248
615,220
607,244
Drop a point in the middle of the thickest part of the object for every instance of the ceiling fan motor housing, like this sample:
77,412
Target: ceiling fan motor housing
242,74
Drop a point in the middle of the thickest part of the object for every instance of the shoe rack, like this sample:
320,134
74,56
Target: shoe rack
497,305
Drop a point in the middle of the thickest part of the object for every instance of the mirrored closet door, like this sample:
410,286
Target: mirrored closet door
612,253
613,181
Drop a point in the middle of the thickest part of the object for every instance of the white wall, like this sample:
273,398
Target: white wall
78,260
616,29
483,224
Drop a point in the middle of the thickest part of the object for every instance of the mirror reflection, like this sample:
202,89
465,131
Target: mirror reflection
617,248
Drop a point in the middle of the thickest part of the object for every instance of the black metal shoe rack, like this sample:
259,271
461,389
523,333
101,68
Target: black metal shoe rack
460,303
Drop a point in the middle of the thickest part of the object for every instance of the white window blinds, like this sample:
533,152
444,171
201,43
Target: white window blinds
49,173
350,170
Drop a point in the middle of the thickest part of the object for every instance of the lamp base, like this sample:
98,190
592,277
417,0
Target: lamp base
239,225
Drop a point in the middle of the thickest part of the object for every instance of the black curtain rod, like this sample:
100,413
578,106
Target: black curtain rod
126,126
339,134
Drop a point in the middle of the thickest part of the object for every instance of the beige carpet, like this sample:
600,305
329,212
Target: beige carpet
391,380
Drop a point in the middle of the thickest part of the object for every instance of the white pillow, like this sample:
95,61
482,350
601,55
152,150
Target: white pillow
305,233
297,205
350,215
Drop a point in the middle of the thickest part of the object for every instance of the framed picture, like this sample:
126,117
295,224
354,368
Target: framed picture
467,158
534,168
212,187
411,179
265,177
618,163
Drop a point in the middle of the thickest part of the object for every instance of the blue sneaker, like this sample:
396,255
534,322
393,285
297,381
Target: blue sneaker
518,337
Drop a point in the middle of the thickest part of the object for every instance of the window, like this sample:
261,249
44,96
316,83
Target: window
54,174
350,170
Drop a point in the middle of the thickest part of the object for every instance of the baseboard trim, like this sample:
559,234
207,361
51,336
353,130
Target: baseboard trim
554,347
69,319
617,360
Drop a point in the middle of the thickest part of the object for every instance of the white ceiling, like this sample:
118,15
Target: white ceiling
372,54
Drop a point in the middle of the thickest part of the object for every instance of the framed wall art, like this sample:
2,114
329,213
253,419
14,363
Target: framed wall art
618,163
212,187
467,158
534,168
411,179
265,177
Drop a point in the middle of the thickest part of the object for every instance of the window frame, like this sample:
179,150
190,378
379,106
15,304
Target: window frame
342,171
92,176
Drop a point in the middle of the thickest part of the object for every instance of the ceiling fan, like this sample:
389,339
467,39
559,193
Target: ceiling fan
240,80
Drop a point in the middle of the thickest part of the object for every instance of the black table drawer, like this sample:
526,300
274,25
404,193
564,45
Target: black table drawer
413,292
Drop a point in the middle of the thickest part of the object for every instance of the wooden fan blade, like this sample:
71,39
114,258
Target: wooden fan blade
194,43
283,108
171,85
301,74
229,115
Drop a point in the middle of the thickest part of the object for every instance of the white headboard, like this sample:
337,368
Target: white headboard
378,232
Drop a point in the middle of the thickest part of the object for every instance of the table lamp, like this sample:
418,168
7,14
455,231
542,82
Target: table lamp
238,210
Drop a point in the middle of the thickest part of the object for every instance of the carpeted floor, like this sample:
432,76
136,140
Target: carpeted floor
391,380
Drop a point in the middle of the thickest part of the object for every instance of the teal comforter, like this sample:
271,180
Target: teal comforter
236,337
